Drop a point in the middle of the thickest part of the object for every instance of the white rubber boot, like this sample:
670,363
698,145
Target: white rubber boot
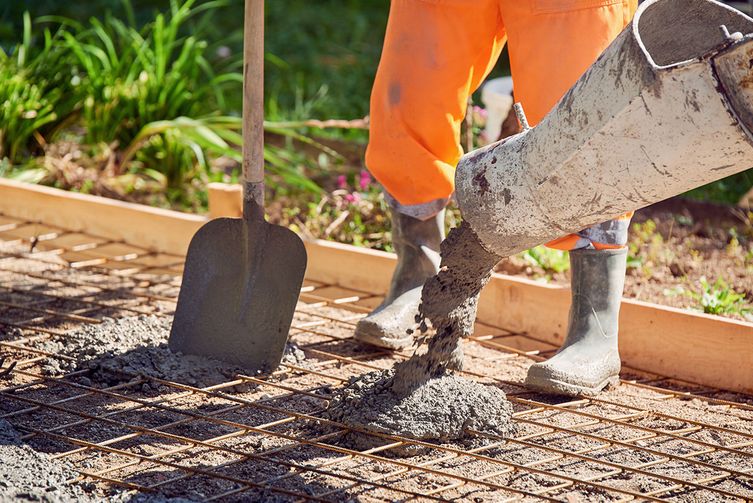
589,359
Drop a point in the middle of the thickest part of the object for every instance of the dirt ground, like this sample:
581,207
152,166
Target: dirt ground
673,245
247,438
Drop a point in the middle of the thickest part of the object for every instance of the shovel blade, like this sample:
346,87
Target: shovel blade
240,286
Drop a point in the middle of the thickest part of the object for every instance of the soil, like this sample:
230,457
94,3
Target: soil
691,240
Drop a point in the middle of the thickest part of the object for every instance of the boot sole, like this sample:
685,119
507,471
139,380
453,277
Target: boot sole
556,387
376,339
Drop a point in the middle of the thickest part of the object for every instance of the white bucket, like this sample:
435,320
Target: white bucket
496,95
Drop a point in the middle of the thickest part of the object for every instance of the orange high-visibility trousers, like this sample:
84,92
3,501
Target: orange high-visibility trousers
437,52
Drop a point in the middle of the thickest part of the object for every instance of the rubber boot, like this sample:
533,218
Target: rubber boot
417,245
589,359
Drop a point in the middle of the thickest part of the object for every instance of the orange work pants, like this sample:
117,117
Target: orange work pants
437,52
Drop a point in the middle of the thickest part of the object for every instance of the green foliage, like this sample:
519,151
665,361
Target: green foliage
717,298
321,56
355,212
634,261
726,191
30,92
549,259
132,77
150,96
24,109
327,54
647,249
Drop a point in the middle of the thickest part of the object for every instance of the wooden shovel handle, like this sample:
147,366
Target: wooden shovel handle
253,94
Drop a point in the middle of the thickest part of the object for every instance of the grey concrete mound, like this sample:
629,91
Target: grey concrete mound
442,409
117,349
28,475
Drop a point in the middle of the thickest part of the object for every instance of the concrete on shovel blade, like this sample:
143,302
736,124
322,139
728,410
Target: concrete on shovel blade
240,286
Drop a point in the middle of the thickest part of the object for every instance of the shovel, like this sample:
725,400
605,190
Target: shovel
242,276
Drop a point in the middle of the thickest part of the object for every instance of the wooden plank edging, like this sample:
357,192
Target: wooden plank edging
155,229
709,350
696,347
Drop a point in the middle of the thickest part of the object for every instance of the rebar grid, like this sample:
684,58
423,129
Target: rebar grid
650,439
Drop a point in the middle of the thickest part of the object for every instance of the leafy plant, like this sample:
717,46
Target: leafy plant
646,248
726,191
31,97
354,212
634,261
147,97
716,298
133,77
221,136
24,109
549,259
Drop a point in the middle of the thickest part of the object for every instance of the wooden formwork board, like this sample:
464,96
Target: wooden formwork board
696,347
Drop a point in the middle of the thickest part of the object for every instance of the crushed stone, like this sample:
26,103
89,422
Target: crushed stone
118,349
442,409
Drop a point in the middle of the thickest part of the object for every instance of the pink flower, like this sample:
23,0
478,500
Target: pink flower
481,112
364,181
353,197
342,182
479,116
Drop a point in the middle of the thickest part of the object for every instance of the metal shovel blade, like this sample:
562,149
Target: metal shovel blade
240,286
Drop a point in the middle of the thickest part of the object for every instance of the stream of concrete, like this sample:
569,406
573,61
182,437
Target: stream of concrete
420,398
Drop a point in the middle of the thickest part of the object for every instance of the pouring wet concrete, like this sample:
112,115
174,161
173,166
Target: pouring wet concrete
422,398
449,301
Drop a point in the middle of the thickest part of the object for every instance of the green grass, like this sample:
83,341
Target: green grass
321,56
133,76
548,259
33,81
714,298
24,109
726,191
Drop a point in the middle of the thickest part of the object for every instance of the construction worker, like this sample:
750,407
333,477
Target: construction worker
436,53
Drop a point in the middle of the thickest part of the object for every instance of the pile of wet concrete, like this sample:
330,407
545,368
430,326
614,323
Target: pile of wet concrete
441,410
422,398
117,350
114,351
29,475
